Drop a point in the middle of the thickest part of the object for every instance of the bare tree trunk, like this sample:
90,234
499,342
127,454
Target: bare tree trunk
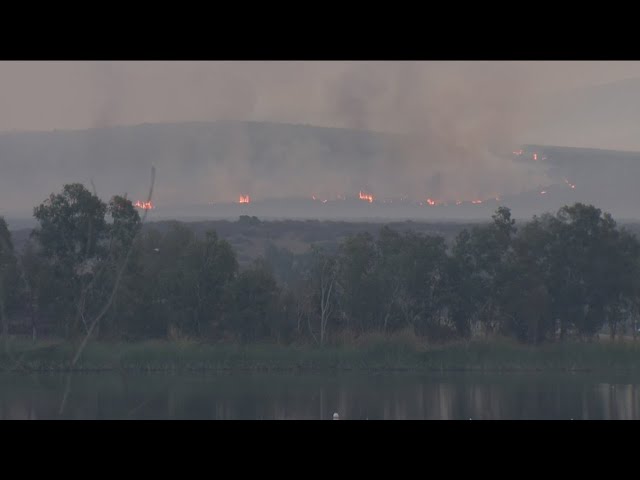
327,279
393,299
313,335
612,330
325,310
32,314
299,322
3,311
3,317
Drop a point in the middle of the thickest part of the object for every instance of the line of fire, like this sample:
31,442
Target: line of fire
368,197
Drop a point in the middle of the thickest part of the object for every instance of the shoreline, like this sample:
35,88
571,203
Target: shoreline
19,355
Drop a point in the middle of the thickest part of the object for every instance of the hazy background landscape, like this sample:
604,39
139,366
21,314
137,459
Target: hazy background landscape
286,132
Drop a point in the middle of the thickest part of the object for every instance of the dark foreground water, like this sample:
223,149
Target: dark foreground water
357,397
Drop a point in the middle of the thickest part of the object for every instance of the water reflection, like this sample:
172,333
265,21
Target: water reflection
287,397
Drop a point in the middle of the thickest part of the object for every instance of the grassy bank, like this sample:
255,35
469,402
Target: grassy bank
374,354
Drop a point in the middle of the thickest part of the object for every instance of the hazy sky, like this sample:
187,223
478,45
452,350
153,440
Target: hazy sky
78,95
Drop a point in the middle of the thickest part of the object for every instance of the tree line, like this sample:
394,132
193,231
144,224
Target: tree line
90,269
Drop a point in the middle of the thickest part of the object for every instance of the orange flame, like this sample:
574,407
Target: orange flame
431,202
144,205
535,156
244,199
366,196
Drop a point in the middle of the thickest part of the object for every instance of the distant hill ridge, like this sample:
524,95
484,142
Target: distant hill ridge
187,156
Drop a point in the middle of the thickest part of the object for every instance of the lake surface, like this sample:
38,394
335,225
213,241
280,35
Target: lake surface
317,396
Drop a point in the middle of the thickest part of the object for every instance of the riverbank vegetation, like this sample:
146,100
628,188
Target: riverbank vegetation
371,353
90,272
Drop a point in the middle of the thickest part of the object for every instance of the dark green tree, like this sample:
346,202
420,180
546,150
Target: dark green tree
528,300
9,281
253,304
72,236
481,273
359,283
79,255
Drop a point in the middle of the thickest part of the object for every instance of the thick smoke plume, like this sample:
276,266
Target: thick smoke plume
447,131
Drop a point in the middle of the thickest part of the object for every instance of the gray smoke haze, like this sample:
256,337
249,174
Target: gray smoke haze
445,129
459,124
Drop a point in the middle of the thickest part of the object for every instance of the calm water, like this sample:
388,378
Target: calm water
358,397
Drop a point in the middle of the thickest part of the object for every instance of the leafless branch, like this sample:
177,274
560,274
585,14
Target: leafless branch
111,298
